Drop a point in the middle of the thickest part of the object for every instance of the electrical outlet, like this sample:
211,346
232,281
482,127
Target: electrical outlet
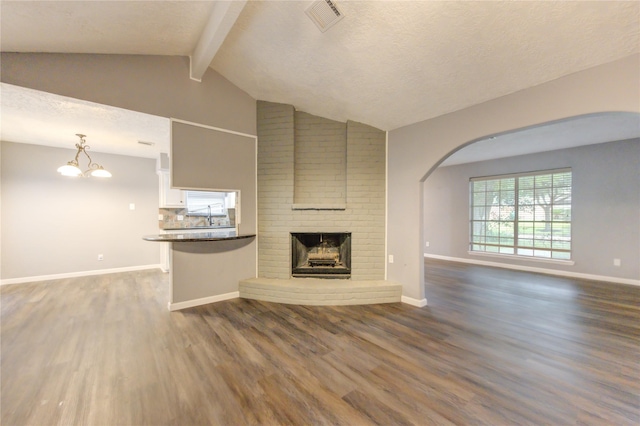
180,217
100,257
426,244
390,258
132,206
616,262
160,217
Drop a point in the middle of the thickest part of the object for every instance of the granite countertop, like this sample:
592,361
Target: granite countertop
197,236
204,228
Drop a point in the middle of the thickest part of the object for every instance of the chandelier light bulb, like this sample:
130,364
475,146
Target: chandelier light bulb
69,170
101,173
72,168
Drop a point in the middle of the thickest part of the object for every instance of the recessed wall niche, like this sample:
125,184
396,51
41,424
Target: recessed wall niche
320,161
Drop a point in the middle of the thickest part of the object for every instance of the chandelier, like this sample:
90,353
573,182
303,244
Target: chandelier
72,168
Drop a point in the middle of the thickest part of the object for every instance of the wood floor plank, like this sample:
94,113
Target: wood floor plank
493,347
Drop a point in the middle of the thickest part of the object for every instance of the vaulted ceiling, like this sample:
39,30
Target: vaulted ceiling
386,63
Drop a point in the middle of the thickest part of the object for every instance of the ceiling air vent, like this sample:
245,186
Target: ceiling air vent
324,14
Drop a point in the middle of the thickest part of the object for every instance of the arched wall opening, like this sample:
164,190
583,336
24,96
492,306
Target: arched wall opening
602,152
415,150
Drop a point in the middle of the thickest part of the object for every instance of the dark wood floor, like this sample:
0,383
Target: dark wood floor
493,347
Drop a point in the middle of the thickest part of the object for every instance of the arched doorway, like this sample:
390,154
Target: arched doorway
415,151
600,152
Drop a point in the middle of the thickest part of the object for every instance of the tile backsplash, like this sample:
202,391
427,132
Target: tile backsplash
170,219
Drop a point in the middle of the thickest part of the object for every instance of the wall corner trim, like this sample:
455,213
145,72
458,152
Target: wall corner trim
203,301
420,303
199,80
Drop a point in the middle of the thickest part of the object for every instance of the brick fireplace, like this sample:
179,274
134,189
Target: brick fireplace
317,176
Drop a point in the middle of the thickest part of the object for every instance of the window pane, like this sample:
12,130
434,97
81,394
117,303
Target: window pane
506,241
561,195
506,229
493,228
542,196
562,179
561,245
480,212
478,228
525,196
479,186
540,212
542,244
562,230
542,253
525,242
525,213
493,185
525,229
478,198
493,240
507,198
543,181
525,252
507,184
562,213
525,182
507,213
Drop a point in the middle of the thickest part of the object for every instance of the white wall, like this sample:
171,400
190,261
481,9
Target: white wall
605,207
53,224
416,150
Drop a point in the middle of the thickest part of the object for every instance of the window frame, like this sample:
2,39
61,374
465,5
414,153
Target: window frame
550,247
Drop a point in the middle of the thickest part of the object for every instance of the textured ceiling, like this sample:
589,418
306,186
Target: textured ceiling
387,63
587,130
124,27
35,117
393,63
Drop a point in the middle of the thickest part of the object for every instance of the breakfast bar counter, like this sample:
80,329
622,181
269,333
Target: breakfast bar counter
207,265
189,237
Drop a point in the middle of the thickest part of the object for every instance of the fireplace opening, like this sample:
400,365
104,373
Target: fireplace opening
321,254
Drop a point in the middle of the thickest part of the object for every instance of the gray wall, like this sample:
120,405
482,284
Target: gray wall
416,150
203,158
605,206
53,224
158,85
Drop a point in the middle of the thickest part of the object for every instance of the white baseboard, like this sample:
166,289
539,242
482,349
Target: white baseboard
537,269
420,303
76,274
203,301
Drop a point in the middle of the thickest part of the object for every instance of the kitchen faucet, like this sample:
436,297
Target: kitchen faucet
209,215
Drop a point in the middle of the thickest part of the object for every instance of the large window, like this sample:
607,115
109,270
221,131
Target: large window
527,214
